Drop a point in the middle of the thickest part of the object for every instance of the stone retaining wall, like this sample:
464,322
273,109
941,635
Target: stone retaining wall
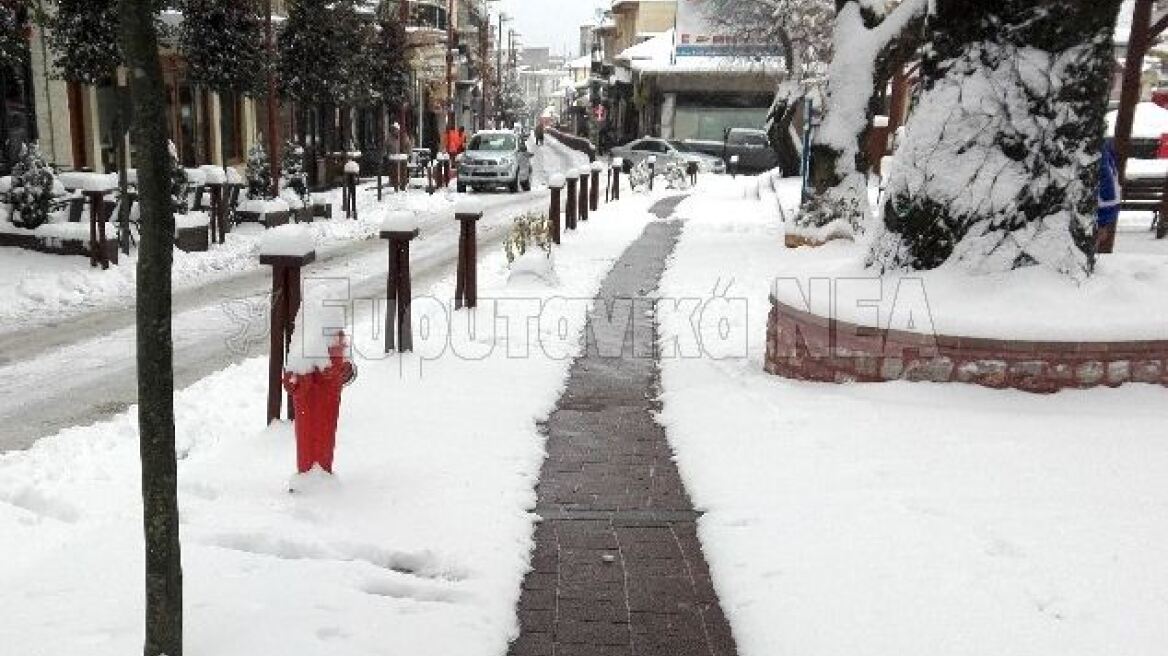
805,346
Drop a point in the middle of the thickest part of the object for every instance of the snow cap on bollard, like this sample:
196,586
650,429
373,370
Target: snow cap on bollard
583,171
734,159
557,181
468,207
443,157
652,160
597,167
352,167
214,174
288,242
618,162
399,221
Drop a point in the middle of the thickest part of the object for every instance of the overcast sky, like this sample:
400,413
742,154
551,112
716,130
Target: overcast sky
552,23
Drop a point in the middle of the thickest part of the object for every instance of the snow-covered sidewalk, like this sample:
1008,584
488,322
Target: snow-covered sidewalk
418,547
906,518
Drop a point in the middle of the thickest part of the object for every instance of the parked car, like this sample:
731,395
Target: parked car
752,147
635,152
495,158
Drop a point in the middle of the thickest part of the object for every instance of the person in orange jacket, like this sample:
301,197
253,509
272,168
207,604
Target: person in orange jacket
453,142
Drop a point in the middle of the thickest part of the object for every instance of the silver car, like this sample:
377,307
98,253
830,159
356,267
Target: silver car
635,152
495,158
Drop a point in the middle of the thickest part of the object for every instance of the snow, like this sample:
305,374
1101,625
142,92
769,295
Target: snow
467,206
902,518
214,174
192,220
1147,168
88,181
400,221
598,167
287,241
557,181
417,546
534,267
265,207
1150,121
352,167
39,288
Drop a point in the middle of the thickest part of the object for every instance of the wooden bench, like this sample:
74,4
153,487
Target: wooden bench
1144,194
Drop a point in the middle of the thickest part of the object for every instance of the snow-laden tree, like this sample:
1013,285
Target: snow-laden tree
999,165
512,101
83,35
292,173
13,43
872,38
390,49
222,42
259,172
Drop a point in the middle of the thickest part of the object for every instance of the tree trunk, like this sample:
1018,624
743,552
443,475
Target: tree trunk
999,167
155,349
866,45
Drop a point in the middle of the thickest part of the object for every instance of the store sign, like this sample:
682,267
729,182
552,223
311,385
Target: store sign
699,36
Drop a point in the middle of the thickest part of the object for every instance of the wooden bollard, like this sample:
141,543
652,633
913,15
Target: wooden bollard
97,239
349,193
286,249
401,173
443,170
583,173
399,228
556,185
467,212
218,211
617,165
571,204
594,197
380,170
652,170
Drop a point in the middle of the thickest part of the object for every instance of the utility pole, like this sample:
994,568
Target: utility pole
484,57
499,66
273,107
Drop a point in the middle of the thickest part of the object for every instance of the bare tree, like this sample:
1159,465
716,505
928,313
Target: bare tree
139,41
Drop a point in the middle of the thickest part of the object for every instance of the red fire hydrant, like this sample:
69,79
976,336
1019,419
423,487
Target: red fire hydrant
316,398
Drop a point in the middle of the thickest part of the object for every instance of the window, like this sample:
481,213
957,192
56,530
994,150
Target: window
493,143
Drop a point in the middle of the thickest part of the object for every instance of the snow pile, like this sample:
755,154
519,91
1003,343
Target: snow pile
287,241
400,221
264,207
213,174
192,220
557,181
319,326
535,267
468,206
352,167
903,518
1150,121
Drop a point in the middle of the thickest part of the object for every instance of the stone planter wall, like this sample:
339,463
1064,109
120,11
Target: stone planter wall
805,346
195,239
579,144
59,246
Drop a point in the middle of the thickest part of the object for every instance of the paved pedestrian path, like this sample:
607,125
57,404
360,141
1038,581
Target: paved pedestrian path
617,569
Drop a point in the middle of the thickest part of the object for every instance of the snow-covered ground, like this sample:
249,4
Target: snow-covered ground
907,518
37,288
417,547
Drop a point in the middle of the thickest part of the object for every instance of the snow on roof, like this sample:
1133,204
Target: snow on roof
658,48
1151,121
580,62
723,65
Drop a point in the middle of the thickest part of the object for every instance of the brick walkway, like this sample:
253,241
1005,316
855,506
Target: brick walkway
617,568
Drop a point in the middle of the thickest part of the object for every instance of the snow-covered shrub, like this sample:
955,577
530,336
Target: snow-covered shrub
292,173
259,173
179,185
670,174
529,231
32,188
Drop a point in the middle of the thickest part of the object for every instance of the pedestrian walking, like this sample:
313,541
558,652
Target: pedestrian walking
539,133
